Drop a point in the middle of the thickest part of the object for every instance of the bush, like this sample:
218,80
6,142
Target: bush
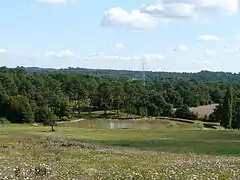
4,121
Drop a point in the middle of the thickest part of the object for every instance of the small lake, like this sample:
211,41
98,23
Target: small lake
126,124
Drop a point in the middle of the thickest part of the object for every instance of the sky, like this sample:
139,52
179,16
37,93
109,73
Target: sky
161,35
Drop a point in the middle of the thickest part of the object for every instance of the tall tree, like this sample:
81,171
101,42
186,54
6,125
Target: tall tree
236,114
227,113
118,93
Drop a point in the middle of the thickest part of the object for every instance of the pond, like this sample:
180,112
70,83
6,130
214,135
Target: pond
126,124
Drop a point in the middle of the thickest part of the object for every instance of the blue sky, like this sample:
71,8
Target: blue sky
169,35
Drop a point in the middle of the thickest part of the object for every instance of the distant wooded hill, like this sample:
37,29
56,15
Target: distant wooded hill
202,76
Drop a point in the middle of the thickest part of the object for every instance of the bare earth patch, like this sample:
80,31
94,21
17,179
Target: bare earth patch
204,110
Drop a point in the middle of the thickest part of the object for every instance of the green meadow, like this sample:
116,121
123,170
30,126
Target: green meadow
81,151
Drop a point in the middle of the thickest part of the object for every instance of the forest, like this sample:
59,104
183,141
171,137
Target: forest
45,96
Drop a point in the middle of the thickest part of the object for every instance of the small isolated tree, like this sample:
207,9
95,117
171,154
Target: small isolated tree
46,116
52,121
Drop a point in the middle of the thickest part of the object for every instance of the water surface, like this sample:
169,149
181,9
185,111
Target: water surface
127,124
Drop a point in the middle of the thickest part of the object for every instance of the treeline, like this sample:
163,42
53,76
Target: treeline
203,76
37,97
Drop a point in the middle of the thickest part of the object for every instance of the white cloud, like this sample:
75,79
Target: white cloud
134,20
212,7
208,38
3,51
172,9
152,14
180,47
191,8
60,54
52,1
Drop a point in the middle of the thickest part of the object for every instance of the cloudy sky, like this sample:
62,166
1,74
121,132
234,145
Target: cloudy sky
167,35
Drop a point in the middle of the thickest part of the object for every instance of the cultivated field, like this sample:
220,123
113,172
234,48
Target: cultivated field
204,110
91,153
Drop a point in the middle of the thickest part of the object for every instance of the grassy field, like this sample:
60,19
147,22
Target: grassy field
163,140
89,153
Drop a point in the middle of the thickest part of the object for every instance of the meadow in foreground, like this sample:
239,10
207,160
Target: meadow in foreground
30,157
29,152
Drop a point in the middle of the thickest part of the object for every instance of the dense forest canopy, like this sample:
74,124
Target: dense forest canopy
28,95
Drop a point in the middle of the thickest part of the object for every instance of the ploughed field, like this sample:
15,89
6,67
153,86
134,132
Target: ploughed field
113,150
204,110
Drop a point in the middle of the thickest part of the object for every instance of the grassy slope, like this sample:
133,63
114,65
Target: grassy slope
40,158
36,153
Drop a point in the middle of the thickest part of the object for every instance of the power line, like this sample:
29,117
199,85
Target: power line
144,73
